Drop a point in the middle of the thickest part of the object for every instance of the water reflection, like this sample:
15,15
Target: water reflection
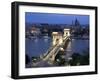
77,45
37,46
69,46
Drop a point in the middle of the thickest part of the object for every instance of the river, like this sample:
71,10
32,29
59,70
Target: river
38,46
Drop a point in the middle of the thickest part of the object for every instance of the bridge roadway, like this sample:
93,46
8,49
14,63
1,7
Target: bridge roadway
53,51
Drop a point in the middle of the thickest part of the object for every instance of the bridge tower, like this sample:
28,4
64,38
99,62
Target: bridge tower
57,38
66,32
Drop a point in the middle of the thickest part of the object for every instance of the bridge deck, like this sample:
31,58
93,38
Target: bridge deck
55,49
52,51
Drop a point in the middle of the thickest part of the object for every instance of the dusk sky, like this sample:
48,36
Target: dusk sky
52,18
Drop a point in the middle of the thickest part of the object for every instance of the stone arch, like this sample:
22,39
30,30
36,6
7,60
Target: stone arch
66,32
56,38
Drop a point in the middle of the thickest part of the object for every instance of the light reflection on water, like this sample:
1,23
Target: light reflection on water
38,46
79,45
76,46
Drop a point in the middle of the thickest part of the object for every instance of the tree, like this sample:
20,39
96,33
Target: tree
27,59
76,57
80,59
59,58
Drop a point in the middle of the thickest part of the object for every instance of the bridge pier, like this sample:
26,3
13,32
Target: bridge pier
66,32
57,38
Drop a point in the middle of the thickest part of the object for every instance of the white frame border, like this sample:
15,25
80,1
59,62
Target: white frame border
54,70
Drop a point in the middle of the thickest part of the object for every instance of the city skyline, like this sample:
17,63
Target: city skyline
51,18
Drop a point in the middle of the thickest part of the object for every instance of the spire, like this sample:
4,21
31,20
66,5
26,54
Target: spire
77,22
